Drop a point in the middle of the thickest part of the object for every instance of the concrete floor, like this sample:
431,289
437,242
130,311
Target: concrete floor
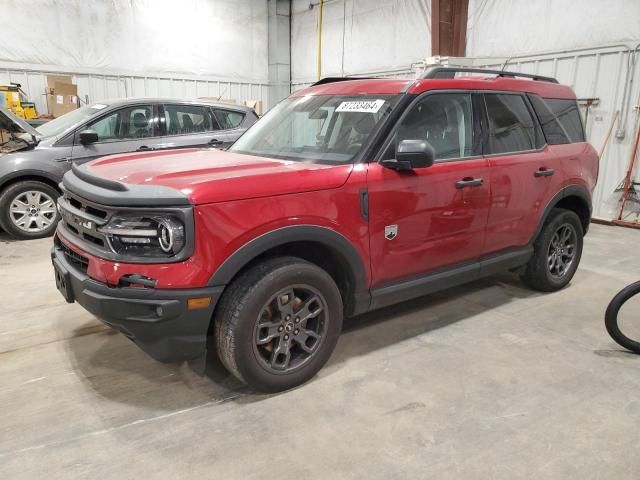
487,381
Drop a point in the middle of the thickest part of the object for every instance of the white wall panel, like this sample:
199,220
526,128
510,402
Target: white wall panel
518,27
223,38
358,37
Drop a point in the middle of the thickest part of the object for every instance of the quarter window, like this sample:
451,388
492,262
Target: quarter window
228,119
125,124
188,119
445,121
511,126
569,116
553,130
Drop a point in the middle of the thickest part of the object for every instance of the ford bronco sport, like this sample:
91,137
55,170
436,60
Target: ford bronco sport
348,196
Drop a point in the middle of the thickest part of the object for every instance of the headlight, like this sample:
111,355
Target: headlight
145,236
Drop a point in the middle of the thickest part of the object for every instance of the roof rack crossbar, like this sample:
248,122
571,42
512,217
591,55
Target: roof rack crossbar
450,72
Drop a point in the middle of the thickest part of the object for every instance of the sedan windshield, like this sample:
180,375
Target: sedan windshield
322,128
62,123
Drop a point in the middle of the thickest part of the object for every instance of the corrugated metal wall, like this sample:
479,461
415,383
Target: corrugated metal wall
609,74
94,87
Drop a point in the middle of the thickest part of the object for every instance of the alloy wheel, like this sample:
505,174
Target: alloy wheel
562,250
32,211
290,328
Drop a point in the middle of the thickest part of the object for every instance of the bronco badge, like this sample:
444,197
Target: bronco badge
390,232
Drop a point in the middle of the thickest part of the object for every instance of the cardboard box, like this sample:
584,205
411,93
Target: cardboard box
62,95
232,101
255,104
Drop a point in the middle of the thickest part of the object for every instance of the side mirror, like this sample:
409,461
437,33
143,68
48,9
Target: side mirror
88,136
412,154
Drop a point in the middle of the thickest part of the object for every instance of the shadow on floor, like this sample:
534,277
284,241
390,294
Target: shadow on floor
116,369
6,238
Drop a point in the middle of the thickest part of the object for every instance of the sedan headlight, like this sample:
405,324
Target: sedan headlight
145,235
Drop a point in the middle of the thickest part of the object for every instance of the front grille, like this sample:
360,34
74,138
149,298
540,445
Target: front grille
79,261
81,220
83,206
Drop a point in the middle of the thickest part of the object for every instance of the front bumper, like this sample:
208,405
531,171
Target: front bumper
157,320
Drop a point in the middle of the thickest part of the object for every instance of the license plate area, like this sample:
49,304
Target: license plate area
63,281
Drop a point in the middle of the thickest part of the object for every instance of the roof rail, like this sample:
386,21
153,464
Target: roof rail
450,72
325,80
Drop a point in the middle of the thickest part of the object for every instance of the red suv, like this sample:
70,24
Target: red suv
348,196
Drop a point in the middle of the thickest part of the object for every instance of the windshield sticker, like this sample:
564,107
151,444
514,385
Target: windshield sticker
98,106
362,106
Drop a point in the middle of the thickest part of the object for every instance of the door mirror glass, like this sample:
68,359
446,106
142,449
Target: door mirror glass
88,136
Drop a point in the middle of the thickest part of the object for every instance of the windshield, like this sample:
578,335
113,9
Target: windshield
322,128
60,124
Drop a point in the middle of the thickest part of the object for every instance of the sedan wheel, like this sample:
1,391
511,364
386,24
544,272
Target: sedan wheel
28,209
33,211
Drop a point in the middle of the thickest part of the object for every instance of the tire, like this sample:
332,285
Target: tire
611,317
43,221
264,295
544,272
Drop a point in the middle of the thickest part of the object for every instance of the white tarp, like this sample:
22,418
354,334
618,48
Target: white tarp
358,36
517,27
224,38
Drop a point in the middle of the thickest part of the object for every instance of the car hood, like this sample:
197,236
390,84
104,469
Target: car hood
208,176
11,123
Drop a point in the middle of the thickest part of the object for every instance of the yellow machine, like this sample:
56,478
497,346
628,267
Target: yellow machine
13,98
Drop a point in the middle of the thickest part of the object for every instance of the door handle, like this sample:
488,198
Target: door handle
143,148
543,172
214,142
469,182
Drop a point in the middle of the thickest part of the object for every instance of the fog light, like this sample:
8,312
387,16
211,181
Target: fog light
196,303
159,311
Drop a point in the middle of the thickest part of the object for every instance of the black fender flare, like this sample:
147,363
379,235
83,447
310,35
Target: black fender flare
568,191
300,233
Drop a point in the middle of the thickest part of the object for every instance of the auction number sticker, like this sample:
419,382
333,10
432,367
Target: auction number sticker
363,106
99,106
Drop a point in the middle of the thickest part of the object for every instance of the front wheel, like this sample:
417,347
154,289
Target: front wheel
625,331
28,209
556,252
278,323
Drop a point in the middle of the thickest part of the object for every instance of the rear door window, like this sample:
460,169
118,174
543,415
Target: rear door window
568,114
228,119
512,127
188,120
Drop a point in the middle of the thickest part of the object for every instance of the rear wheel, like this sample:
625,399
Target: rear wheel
278,323
28,209
557,252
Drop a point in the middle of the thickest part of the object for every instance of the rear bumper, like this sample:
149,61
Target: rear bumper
157,320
